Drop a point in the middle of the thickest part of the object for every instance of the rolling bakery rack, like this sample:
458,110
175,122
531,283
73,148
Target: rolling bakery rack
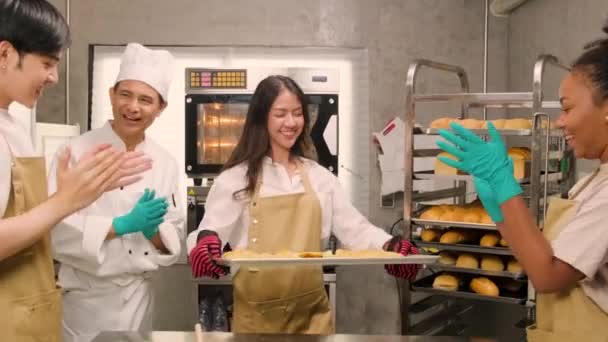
551,171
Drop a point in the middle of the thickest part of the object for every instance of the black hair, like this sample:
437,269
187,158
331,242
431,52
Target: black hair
33,26
254,143
593,64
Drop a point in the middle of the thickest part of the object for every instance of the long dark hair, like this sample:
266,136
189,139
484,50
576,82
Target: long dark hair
254,143
593,64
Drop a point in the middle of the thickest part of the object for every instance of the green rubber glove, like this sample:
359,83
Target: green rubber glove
488,161
488,199
145,217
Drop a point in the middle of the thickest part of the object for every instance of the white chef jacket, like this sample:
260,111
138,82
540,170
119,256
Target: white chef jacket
230,217
79,240
13,133
583,243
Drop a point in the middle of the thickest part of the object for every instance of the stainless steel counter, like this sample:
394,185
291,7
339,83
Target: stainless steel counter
168,336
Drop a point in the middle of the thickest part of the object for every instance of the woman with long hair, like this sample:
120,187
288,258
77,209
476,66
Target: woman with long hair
272,197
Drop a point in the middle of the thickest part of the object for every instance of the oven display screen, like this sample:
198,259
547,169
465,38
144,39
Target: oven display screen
217,79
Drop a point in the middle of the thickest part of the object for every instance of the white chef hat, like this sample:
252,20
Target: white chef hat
153,67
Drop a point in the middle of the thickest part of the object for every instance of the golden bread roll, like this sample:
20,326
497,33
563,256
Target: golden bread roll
514,266
467,260
492,263
489,240
512,285
520,153
441,123
503,243
446,282
430,235
452,236
517,124
453,216
486,219
471,123
498,123
432,213
471,216
484,286
447,258
444,169
310,254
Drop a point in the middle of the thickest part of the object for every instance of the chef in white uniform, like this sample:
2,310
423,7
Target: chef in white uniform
108,250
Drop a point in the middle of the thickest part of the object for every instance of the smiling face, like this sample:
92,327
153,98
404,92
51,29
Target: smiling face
135,106
285,121
583,120
25,77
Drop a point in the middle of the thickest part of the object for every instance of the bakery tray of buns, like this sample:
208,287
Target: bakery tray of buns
341,257
481,264
470,286
515,126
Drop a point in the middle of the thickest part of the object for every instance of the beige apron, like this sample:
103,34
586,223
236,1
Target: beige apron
568,315
30,303
283,299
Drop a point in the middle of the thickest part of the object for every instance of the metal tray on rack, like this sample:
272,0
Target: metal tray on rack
426,285
504,132
430,175
270,262
446,224
464,248
478,271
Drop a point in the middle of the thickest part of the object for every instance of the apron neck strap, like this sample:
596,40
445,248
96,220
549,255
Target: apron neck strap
303,176
584,185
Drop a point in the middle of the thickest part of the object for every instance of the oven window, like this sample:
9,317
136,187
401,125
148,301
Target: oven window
219,129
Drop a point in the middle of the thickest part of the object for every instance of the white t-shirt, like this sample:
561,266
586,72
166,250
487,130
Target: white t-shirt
230,217
583,243
13,133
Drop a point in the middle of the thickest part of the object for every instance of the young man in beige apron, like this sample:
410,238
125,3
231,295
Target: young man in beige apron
30,304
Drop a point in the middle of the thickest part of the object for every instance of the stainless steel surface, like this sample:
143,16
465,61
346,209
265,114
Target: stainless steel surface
171,336
464,248
446,224
478,271
435,195
537,100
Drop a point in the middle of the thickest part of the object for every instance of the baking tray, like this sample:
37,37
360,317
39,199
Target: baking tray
430,175
504,132
426,285
429,223
477,271
464,248
337,261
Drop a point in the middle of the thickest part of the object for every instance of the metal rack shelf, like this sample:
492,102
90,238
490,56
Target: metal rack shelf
489,100
426,285
430,175
464,248
503,132
450,224
478,271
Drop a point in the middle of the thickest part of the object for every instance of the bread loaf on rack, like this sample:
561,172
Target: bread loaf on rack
441,123
519,155
484,286
446,282
489,240
430,235
492,263
514,266
444,169
467,260
518,124
447,258
452,237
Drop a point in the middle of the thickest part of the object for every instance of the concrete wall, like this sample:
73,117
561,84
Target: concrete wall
394,32
558,27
